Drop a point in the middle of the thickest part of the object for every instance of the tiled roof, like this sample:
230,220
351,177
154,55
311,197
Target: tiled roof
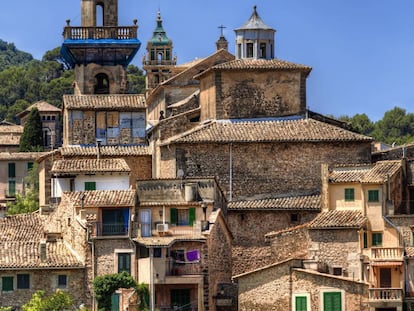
78,166
254,22
20,238
261,64
106,151
376,173
269,130
120,102
338,219
21,156
102,198
8,129
310,202
409,251
10,140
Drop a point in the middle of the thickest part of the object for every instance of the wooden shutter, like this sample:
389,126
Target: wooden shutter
7,283
90,185
173,216
191,216
12,170
332,301
300,303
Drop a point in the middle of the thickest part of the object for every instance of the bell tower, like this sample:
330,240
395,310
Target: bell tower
254,39
159,61
100,50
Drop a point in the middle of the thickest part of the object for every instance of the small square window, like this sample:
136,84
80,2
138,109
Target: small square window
23,281
294,217
373,196
377,239
62,281
349,194
7,284
157,252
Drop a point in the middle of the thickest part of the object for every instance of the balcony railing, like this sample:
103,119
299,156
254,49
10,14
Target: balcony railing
95,33
385,294
387,253
175,268
103,229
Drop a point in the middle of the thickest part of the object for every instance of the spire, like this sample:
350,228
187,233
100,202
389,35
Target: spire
222,43
255,22
159,35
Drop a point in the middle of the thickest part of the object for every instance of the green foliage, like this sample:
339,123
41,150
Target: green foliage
136,80
32,137
105,285
59,301
144,297
5,308
11,56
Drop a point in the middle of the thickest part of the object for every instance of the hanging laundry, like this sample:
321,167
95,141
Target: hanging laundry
193,255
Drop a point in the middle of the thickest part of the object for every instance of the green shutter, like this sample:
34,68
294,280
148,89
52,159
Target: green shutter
12,187
12,170
376,239
90,185
7,283
29,165
173,216
124,263
332,301
373,195
191,215
300,303
349,194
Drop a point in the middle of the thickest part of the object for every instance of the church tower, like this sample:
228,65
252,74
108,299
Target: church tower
100,50
159,61
254,39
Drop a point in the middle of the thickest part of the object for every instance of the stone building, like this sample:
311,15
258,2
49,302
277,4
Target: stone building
10,134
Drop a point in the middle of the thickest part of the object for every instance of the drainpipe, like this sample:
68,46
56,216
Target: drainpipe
230,172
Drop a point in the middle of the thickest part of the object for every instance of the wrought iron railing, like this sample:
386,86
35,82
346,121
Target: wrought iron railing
104,229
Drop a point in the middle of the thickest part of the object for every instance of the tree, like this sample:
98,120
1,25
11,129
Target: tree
105,285
59,301
32,137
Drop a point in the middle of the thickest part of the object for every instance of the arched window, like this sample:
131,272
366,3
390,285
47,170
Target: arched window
101,84
100,14
159,57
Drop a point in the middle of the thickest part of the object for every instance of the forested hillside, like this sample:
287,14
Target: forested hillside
24,80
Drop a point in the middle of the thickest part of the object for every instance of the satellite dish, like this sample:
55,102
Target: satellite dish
180,173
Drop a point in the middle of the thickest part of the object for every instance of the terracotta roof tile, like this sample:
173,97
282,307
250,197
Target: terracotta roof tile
260,64
21,156
78,166
20,238
102,198
310,202
106,151
376,173
119,102
270,130
15,129
409,251
338,219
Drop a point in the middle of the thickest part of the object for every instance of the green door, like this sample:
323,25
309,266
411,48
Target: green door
115,302
300,303
332,301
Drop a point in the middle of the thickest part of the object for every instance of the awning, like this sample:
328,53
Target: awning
386,263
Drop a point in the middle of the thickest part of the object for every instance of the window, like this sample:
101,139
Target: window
7,284
62,281
23,281
262,50
332,301
349,194
301,303
115,221
365,239
12,170
143,252
376,239
373,196
124,262
294,217
29,165
249,50
239,49
182,217
90,185
157,252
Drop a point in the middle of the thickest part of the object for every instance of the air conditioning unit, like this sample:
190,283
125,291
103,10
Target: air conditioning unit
162,227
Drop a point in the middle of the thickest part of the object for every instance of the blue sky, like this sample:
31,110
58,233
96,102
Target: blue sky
361,52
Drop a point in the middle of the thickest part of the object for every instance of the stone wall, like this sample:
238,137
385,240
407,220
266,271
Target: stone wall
249,258
249,227
105,256
45,280
263,168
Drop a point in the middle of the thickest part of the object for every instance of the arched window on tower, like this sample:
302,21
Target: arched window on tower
159,57
100,14
101,84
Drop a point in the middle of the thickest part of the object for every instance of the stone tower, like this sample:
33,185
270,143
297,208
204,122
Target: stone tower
222,42
159,61
254,39
100,50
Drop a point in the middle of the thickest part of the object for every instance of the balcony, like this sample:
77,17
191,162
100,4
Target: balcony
175,268
95,33
385,294
105,229
387,253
